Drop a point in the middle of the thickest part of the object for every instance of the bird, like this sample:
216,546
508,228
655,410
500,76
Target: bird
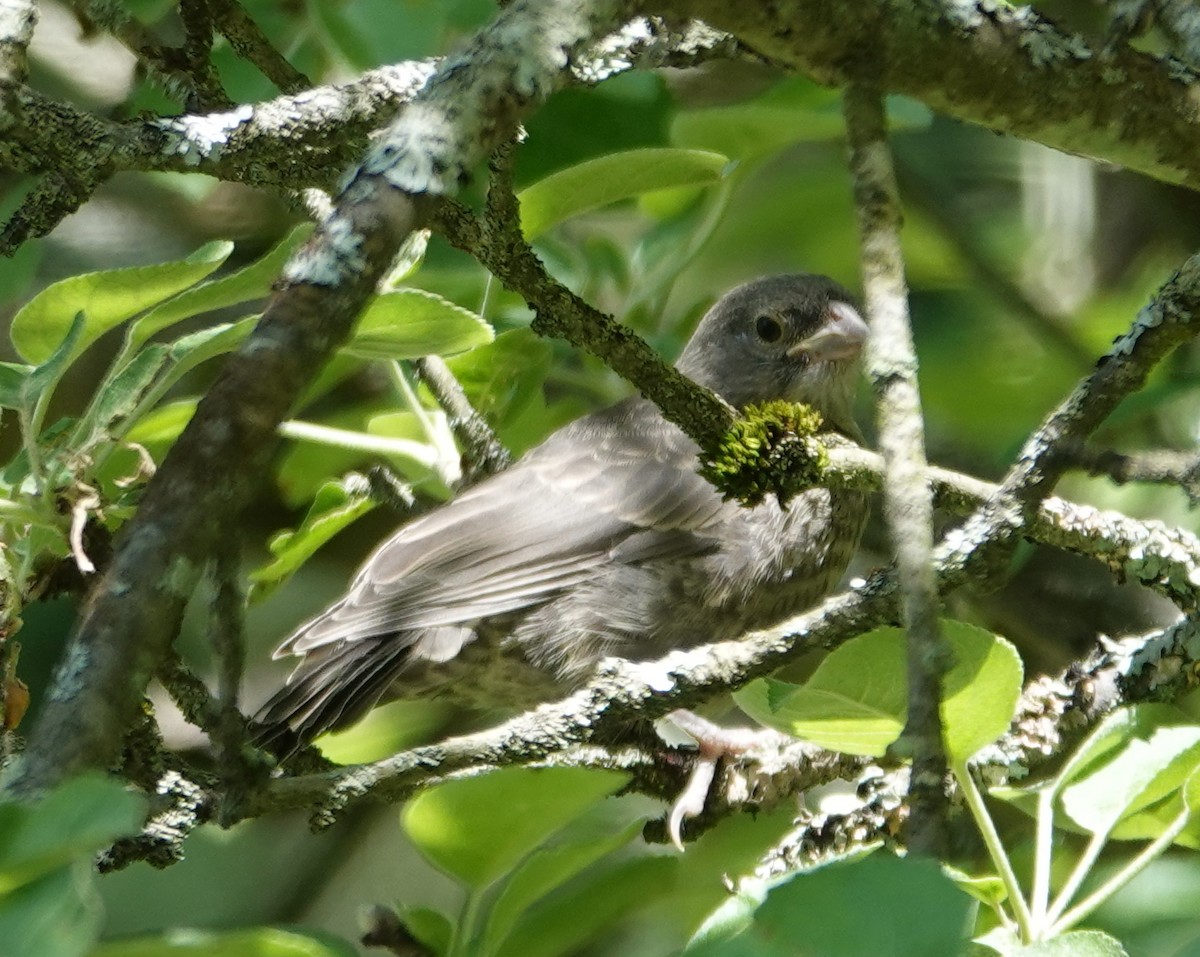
604,540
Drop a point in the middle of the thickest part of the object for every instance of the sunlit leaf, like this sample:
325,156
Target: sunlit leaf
1142,772
479,828
857,699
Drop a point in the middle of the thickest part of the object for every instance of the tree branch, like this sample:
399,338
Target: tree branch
1117,105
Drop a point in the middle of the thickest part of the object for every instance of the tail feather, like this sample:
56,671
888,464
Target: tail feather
329,690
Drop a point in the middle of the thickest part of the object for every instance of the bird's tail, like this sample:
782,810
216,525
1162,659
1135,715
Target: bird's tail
332,688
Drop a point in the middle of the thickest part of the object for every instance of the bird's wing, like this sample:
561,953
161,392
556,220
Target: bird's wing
620,485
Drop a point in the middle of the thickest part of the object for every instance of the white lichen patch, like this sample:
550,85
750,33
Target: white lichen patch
336,254
69,679
202,137
426,150
1148,317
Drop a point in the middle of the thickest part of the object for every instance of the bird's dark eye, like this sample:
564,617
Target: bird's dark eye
768,328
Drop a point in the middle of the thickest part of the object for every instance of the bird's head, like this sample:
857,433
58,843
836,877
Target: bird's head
796,337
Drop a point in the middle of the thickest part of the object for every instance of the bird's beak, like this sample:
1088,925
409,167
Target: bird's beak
841,337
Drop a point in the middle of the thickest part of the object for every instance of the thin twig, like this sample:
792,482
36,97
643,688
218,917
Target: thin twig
1177,467
252,45
483,454
907,505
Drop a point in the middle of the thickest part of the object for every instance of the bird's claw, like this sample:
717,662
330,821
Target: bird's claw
690,801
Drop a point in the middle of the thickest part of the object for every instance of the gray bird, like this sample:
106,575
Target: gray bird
601,541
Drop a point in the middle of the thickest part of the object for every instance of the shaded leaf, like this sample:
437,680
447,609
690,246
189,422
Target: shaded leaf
78,818
336,505
880,905
503,377
795,110
57,915
107,298
252,942
610,178
251,282
13,377
411,323
564,855
567,921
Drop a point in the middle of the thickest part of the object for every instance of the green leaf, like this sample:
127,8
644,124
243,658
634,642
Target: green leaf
251,282
579,845
78,818
793,111
411,323
336,505
386,730
913,910
564,923
162,426
830,711
987,888
13,377
41,381
418,464
1113,733
857,698
504,377
1105,741
107,298
1080,943
479,828
57,915
608,179
120,396
189,351
1144,771
428,927
252,942
980,691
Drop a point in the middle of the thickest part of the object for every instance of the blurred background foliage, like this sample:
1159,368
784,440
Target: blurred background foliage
1023,263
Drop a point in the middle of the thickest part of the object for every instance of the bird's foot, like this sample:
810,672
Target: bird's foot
713,743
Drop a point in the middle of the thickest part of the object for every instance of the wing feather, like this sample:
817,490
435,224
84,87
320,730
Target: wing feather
618,485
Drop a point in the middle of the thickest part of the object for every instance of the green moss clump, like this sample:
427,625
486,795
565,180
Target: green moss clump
771,448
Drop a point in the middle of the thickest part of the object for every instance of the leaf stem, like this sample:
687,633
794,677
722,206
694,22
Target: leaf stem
444,460
1123,876
417,452
1078,875
991,840
1039,894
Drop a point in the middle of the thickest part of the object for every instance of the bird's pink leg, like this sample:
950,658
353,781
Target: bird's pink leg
713,742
